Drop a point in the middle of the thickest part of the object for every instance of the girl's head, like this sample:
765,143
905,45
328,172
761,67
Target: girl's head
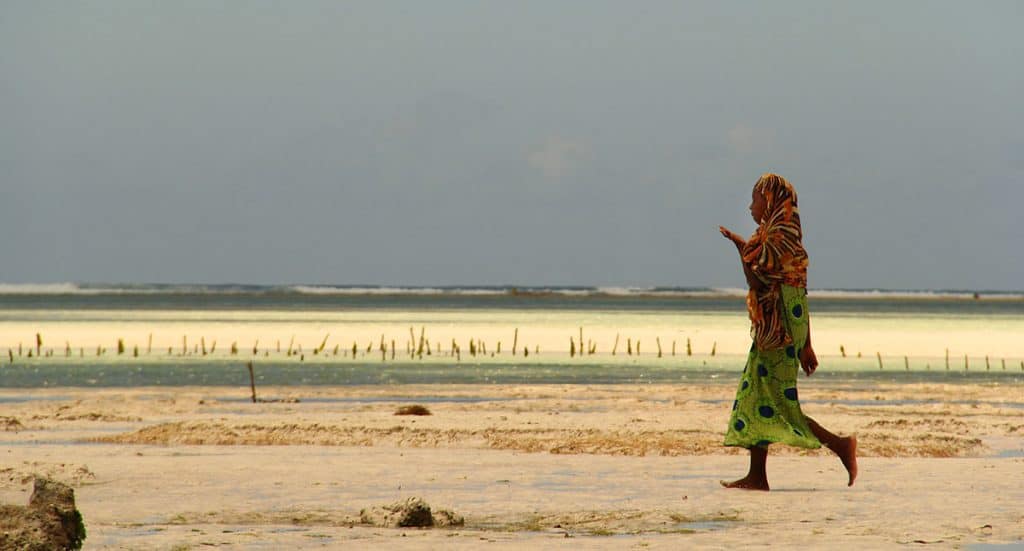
769,191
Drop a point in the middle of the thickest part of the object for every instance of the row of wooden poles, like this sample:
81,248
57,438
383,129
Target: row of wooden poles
418,347
415,347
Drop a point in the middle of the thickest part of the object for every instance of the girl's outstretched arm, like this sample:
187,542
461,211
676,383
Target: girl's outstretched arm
736,239
753,281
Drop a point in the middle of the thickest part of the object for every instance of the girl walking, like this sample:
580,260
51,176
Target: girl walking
766,410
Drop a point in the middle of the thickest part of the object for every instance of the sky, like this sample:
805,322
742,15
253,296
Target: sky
507,143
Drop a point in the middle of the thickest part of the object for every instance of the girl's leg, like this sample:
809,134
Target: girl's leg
757,477
844,447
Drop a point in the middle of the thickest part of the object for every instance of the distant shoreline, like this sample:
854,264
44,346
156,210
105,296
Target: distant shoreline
604,292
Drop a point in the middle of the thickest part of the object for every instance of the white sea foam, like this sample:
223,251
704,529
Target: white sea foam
39,289
728,292
332,290
108,289
912,294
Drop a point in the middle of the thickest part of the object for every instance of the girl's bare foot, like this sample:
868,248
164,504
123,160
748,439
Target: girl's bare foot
846,449
747,483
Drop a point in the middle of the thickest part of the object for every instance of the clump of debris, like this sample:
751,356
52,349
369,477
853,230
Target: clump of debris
410,513
415,409
50,520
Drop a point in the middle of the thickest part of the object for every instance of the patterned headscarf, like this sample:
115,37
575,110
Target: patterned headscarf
776,256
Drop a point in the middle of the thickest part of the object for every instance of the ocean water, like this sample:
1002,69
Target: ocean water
71,296
158,325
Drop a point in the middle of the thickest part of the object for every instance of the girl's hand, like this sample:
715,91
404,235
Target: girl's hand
736,240
808,360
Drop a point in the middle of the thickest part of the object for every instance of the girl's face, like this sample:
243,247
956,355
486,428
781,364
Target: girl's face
757,206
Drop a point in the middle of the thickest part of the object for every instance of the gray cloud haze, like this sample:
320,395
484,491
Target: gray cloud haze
533,143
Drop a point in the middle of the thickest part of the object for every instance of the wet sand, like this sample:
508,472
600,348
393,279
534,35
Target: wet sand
617,466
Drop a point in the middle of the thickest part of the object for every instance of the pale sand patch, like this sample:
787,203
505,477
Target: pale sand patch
608,465
892,335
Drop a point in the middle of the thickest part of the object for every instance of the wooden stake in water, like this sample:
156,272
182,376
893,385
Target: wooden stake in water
252,381
616,345
39,343
1004,364
965,362
629,346
673,347
714,347
657,340
842,351
120,346
879,354
689,349
149,344
515,341
906,363
572,347
255,347
987,367
947,359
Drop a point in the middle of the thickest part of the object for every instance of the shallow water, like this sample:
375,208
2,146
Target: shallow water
166,330
291,373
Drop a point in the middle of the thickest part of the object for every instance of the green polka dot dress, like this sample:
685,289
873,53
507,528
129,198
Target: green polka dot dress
767,409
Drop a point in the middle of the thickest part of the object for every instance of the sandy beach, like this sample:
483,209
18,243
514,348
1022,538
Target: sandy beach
432,276
614,466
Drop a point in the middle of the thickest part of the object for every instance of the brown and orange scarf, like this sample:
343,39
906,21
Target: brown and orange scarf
776,256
